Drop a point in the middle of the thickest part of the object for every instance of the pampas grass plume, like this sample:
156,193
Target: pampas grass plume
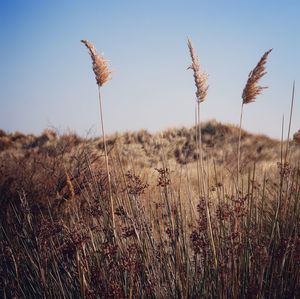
252,89
200,78
100,64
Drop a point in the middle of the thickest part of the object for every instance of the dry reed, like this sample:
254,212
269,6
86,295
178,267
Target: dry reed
102,74
201,93
160,250
252,90
100,64
200,78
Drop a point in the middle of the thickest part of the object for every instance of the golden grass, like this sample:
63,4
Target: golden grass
252,89
250,92
170,239
102,73
100,64
55,209
200,78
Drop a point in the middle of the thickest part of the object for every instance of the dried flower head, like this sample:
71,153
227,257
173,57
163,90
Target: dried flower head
297,137
200,78
252,90
100,65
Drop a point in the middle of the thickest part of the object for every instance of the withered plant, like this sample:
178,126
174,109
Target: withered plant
250,92
175,236
102,75
202,87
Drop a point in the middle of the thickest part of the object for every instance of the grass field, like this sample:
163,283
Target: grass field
56,235
204,212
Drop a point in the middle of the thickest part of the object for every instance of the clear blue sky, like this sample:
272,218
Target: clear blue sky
46,78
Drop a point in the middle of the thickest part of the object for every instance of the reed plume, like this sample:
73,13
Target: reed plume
200,78
201,93
102,75
250,92
252,89
100,64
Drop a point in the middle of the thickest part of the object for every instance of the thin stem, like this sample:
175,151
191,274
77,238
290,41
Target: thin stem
280,189
239,147
107,166
290,122
199,144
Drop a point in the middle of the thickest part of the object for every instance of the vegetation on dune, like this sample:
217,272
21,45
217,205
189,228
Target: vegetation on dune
178,145
140,215
55,216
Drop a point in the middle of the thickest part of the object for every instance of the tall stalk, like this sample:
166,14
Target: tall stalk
102,75
250,92
199,147
210,232
107,164
239,147
202,87
290,122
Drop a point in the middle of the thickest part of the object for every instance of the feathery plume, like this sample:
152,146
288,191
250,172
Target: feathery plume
100,64
297,137
252,90
200,78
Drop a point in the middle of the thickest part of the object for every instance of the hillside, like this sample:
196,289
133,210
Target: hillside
219,143
40,165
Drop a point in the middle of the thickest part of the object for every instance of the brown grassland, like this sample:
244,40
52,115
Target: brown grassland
210,211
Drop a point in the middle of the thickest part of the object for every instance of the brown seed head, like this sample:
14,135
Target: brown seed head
297,137
252,90
100,65
200,78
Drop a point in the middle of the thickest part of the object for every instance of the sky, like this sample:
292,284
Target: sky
46,79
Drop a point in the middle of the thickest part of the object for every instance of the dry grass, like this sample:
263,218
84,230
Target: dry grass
55,209
297,137
200,78
178,144
252,89
250,92
170,239
102,73
100,64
